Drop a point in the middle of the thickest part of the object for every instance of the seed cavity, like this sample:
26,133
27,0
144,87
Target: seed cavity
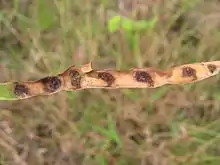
75,78
189,72
145,77
107,77
51,84
212,68
21,90
161,73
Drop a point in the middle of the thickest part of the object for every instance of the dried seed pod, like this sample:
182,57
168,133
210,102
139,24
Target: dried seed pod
84,78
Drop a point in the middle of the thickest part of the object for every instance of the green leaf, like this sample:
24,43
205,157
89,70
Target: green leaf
6,93
101,159
16,4
1,16
24,22
126,24
45,15
110,132
187,5
216,96
114,23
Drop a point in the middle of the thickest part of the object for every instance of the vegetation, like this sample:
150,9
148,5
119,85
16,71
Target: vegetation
168,125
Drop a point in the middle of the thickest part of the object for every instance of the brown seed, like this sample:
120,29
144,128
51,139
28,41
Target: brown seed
107,77
21,90
145,77
212,67
189,72
51,84
75,78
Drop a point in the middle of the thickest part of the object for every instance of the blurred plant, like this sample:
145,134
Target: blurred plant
131,28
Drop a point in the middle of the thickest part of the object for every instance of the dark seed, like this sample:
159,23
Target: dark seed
51,84
75,78
21,90
189,72
212,67
145,77
107,77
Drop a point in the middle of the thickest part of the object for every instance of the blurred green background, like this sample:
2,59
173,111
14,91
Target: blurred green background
170,125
